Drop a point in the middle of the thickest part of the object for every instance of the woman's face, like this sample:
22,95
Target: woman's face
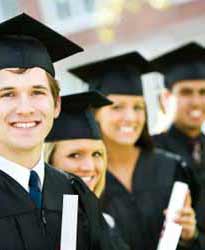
123,121
82,157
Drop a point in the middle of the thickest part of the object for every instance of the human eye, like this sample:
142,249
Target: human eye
7,94
138,107
97,154
38,92
74,155
117,107
202,92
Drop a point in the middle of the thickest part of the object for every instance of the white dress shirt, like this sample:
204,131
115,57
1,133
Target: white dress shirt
22,174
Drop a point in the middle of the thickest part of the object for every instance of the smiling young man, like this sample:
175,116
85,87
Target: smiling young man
27,109
31,193
184,72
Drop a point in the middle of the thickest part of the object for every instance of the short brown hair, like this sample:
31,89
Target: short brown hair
55,88
145,140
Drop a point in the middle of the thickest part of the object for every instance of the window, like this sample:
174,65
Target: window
8,9
63,9
160,4
180,1
68,16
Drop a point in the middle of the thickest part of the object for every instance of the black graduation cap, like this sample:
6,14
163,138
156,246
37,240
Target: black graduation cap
76,120
184,63
27,43
116,75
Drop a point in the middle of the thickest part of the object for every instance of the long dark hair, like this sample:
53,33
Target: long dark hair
145,141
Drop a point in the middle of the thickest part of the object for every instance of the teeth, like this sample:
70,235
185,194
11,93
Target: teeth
196,113
24,125
87,178
127,129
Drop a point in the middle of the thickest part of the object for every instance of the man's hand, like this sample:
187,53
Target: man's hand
186,218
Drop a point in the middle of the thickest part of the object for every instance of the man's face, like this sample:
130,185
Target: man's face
190,103
27,109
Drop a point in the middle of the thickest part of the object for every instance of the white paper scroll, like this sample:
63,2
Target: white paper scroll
153,86
69,222
172,231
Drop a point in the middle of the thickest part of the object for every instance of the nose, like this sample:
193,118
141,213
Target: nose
196,100
88,164
24,105
130,114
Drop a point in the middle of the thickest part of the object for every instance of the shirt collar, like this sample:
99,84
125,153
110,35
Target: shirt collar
22,174
174,131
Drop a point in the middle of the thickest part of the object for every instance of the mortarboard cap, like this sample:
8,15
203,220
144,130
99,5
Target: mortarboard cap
184,63
27,43
116,75
76,120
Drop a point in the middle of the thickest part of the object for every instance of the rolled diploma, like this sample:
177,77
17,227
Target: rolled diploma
172,231
69,222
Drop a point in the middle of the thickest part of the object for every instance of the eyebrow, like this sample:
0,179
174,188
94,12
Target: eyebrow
7,88
34,87
186,89
40,87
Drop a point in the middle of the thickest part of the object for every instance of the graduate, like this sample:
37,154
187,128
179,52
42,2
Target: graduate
74,145
184,74
31,192
139,179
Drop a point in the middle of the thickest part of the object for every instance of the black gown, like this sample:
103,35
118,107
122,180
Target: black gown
176,142
115,234
139,214
25,227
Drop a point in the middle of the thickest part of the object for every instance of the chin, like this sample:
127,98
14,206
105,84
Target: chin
193,124
26,145
91,187
194,127
126,142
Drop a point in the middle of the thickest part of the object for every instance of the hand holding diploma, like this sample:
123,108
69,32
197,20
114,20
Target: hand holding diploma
172,230
186,218
180,220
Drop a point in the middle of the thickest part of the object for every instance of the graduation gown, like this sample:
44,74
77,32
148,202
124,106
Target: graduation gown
114,233
25,227
139,214
176,142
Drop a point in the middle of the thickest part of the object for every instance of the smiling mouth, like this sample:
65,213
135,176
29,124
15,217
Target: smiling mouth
196,113
24,125
126,129
87,179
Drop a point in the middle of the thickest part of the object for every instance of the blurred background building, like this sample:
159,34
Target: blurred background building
106,28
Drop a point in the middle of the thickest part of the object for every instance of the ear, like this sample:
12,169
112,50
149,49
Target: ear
96,113
164,99
57,107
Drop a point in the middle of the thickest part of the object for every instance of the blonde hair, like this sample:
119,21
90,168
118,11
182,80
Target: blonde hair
49,150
